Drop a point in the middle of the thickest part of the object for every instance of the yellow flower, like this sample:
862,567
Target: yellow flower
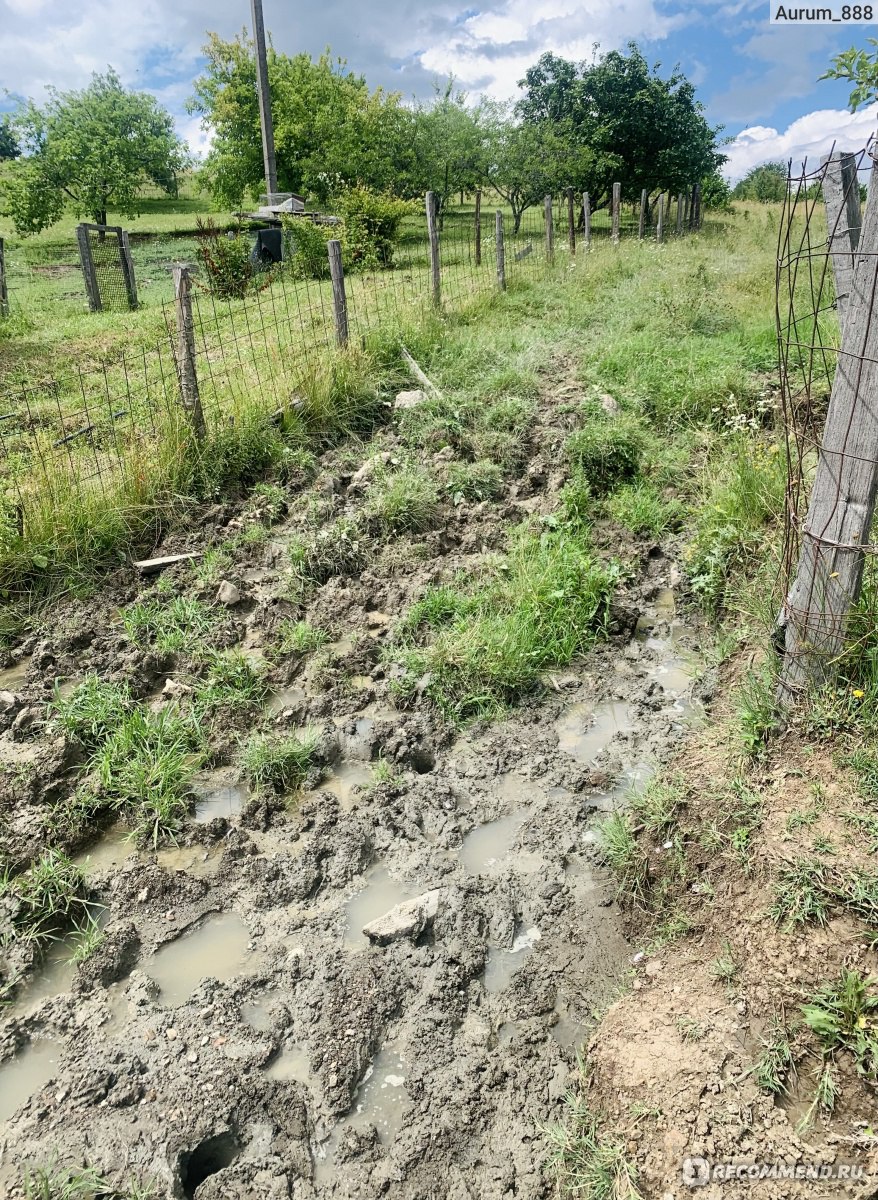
858,693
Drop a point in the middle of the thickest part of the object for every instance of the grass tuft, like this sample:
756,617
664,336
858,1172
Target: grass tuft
278,763
585,1162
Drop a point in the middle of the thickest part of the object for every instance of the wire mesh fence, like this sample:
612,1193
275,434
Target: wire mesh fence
827,287
103,423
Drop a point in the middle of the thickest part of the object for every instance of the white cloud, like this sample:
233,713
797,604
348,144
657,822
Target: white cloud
492,50
807,138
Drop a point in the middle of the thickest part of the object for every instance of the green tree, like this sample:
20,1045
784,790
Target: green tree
716,192
330,131
93,149
9,147
767,182
526,160
449,148
859,67
643,130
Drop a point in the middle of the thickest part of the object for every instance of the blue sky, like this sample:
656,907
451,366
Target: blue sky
758,80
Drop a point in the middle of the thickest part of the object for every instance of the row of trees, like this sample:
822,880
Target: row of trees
580,125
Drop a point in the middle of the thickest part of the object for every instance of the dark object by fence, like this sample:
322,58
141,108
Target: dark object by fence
617,208
522,254
501,252
339,296
4,292
185,351
268,248
107,267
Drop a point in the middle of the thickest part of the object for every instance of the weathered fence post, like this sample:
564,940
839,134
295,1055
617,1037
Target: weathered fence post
679,214
841,194
478,227
88,269
185,349
501,252
831,559
660,219
339,296
571,222
690,208
696,204
433,234
127,268
550,229
617,195
586,220
4,290
644,199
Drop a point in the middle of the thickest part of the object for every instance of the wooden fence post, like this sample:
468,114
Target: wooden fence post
831,560
586,220
841,194
433,234
690,208
571,222
88,269
186,372
660,219
339,296
550,229
644,198
679,214
501,252
478,227
696,204
4,290
127,263
617,196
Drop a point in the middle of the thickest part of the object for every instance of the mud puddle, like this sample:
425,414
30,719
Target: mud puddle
379,895
13,677
345,781
217,948
218,794
27,1073
584,733
501,964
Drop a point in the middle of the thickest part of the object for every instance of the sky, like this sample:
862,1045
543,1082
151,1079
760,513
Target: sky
759,81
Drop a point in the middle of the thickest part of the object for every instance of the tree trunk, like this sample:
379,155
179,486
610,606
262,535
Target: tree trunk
517,214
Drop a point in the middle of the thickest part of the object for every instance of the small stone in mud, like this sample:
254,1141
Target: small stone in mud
171,1034
228,594
8,701
408,919
409,399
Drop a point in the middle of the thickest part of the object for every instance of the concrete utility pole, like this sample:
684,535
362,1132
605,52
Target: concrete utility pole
264,93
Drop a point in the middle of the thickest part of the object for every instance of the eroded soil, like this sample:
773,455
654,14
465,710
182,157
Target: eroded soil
236,1034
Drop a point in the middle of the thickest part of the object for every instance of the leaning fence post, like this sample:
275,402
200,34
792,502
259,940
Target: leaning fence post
88,269
617,197
4,291
660,219
831,560
550,229
478,227
339,296
679,214
644,197
571,221
501,252
433,234
841,194
586,220
186,372
127,264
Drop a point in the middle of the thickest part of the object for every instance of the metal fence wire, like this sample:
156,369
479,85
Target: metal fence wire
100,427
827,288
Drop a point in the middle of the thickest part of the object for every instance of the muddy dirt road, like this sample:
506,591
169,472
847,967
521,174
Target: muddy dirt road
237,1033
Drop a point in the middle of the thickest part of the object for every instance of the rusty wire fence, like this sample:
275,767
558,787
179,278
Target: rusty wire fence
106,427
827,324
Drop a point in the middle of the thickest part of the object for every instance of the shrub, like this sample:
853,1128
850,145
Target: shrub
305,250
371,226
226,260
607,452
